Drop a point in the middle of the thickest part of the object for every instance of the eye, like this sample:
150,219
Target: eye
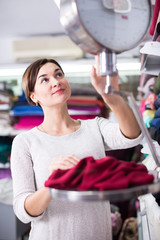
59,75
44,80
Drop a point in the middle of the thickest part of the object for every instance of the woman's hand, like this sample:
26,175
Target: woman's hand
126,119
99,82
63,162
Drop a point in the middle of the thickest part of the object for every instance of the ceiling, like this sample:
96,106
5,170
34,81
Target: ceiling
29,18
21,18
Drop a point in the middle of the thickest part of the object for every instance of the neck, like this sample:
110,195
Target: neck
58,122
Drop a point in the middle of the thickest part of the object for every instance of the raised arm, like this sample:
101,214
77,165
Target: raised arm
125,117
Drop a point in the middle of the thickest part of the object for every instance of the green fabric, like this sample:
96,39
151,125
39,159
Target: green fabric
5,151
156,86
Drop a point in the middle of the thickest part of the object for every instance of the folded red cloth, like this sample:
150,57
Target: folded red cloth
106,173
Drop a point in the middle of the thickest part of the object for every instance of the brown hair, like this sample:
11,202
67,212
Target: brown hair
30,76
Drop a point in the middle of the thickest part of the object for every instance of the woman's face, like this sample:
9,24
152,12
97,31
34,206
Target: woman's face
51,87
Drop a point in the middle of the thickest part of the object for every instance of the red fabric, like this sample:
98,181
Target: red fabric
82,101
106,173
155,17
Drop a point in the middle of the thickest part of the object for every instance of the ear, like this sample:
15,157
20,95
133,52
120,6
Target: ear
33,98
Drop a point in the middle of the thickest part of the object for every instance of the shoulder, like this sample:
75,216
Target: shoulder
97,122
23,137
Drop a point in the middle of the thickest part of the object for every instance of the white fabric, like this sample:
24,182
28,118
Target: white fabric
31,155
6,191
153,215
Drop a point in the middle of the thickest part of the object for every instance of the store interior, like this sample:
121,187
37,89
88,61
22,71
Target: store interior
32,29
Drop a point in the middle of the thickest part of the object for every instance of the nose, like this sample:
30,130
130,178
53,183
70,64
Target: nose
54,82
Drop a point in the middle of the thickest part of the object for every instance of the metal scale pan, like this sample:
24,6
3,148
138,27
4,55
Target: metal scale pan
110,195
108,28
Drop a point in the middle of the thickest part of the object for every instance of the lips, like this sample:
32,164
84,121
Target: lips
59,91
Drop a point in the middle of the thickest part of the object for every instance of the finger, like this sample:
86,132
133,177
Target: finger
75,157
93,76
93,72
72,161
97,63
61,166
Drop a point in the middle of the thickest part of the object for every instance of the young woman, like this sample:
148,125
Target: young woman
60,142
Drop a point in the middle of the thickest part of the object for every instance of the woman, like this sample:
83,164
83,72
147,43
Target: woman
60,142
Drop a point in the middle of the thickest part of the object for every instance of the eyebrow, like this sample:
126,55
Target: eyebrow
43,75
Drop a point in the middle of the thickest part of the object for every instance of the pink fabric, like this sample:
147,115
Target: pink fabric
83,117
106,173
155,17
150,100
142,107
28,122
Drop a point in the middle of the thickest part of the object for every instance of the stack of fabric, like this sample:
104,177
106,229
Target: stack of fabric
85,103
6,97
26,116
5,150
151,109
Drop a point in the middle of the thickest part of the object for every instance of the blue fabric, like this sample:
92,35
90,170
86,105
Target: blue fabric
157,103
26,110
157,113
156,123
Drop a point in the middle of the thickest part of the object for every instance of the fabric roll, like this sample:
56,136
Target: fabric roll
149,103
154,133
157,103
28,122
148,116
157,113
5,173
154,17
156,86
26,111
156,123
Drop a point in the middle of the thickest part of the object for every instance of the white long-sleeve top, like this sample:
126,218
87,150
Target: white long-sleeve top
32,152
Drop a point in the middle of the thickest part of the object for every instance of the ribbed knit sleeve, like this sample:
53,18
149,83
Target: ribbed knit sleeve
113,137
23,177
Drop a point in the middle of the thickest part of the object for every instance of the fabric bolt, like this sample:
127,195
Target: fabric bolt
154,17
157,103
104,174
28,122
32,153
157,113
153,215
149,103
83,117
6,191
148,116
84,110
87,91
5,165
157,32
26,110
125,154
5,150
156,87
156,123
154,133
5,129
142,106
147,89
5,173
147,121
84,102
